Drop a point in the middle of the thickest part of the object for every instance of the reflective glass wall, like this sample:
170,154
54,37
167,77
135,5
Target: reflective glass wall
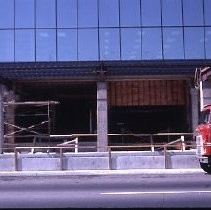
81,30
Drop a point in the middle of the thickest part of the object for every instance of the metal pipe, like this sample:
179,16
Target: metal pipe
61,158
16,159
109,159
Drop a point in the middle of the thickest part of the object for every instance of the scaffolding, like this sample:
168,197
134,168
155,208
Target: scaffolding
26,121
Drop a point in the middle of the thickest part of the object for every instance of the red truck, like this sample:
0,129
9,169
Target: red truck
203,130
203,139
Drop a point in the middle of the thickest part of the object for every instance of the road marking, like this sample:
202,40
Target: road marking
157,192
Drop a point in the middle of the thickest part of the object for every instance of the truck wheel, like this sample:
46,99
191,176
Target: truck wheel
206,167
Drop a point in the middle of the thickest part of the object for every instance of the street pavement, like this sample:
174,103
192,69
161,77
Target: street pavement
102,172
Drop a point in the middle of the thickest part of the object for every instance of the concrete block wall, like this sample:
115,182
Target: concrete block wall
99,160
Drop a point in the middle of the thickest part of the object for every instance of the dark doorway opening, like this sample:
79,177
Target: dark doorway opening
76,111
147,119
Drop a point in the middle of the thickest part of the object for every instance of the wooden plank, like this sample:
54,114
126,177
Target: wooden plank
140,93
169,92
174,92
163,92
157,92
135,93
181,92
112,93
129,96
118,94
146,92
124,94
152,92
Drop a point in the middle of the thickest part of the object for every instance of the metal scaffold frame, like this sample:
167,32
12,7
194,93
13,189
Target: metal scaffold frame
30,131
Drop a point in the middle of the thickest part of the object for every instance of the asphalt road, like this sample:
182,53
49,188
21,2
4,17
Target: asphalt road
106,191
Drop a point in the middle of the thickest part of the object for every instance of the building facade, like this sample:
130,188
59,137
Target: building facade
113,65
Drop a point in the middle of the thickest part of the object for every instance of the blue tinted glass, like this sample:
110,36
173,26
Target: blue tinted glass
108,13
173,43
151,12
109,44
67,44
172,12
194,42
208,42
130,12
24,13
6,45
151,43
87,44
207,13
45,14
193,12
6,13
66,13
131,44
24,45
46,45
87,13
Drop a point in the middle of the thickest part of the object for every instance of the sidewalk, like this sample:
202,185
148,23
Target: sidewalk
101,172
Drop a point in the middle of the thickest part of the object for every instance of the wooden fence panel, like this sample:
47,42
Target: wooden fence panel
147,92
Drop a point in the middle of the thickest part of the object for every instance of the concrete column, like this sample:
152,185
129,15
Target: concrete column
102,117
194,108
1,118
10,116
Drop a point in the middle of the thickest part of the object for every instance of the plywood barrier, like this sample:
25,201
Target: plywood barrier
147,92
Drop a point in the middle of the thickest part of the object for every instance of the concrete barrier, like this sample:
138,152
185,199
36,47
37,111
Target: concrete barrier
99,160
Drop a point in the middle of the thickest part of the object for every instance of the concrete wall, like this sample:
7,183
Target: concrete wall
99,160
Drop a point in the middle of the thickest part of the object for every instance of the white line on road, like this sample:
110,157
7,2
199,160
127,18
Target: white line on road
157,192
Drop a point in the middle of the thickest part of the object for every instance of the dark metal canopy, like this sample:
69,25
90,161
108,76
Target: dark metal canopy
99,69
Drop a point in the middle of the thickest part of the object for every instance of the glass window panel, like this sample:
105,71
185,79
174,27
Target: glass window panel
45,14
208,42
151,43
46,45
87,44
24,13
193,12
6,45
24,45
151,12
67,44
173,43
130,13
108,13
109,44
6,13
194,43
87,13
66,13
172,12
207,13
131,44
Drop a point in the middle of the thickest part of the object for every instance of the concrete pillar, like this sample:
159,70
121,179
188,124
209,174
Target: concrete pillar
10,116
1,118
102,117
194,108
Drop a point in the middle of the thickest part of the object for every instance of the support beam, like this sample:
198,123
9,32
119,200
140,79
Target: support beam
2,89
9,116
102,117
194,108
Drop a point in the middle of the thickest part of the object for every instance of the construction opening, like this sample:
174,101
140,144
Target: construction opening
135,106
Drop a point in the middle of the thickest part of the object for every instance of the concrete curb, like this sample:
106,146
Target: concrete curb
101,172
